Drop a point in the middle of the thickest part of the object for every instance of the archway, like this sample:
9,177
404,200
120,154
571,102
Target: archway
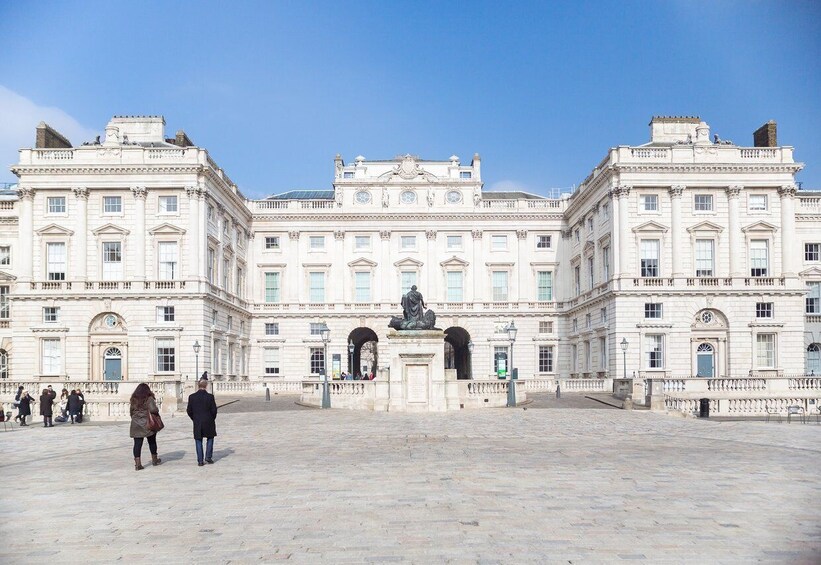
457,352
108,346
363,359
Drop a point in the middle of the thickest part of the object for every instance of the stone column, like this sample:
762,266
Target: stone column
518,292
624,228
433,268
385,271
296,292
202,244
733,192
675,227
615,260
338,291
80,262
192,251
477,266
788,241
26,233
250,270
138,240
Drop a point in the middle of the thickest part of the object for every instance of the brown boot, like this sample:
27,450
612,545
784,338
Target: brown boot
138,466
155,460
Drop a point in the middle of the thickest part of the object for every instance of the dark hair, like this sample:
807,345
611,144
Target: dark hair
141,395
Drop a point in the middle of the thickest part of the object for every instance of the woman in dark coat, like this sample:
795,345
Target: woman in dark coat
143,402
74,405
46,407
25,406
17,402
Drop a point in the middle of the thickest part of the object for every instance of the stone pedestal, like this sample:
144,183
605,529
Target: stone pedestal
417,381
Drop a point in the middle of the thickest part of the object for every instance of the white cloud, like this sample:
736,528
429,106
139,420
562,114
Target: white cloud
19,117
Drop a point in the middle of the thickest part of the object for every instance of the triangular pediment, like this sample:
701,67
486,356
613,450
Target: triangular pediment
650,226
760,226
589,246
454,262
705,226
166,229
109,229
811,272
7,277
408,262
54,229
362,262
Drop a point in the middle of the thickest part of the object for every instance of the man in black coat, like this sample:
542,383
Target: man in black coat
202,409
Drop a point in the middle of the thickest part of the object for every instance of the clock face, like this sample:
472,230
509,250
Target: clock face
408,197
454,196
363,196
110,320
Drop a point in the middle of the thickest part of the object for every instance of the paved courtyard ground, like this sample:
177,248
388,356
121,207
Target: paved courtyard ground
493,486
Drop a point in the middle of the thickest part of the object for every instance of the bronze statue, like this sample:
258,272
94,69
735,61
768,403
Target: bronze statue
414,314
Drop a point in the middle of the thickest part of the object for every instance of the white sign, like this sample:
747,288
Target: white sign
417,383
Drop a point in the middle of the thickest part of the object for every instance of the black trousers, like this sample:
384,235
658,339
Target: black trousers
152,445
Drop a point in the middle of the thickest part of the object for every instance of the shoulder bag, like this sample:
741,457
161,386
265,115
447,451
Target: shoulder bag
155,423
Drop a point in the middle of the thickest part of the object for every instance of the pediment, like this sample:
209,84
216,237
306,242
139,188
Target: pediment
109,229
166,229
54,229
362,262
650,226
7,277
760,226
705,226
454,262
811,272
589,246
408,262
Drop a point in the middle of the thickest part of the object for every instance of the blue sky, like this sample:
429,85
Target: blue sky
541,90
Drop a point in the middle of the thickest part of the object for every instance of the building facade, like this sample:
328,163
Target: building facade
683,256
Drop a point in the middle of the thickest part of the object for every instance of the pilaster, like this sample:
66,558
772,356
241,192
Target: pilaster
140,194
26,227
788,243
733,192
675,227
80,262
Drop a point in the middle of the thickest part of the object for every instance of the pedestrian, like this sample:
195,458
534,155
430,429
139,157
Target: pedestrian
558,391
74,406
202,409
63,406
47,406
82,405
25,406
16,402
143,403
205,375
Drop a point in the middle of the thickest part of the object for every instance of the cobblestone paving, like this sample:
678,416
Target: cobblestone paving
487,486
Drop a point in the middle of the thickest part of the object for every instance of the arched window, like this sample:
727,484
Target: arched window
4,364
113,353
705,348
814,359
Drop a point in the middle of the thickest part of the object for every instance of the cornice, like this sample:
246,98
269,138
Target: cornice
104,170
422,217
791,168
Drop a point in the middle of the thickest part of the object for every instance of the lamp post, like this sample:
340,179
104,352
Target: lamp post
623,346
197,365
351,347
325,332
511,387
470,358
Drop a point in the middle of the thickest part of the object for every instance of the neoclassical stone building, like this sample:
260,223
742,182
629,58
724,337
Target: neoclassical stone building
117,256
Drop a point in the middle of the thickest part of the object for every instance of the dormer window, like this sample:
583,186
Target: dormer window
465,174
347,175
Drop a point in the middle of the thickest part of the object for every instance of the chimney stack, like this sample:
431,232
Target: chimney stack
49,138
765,136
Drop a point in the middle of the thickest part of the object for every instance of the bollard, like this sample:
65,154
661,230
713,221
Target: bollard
267,394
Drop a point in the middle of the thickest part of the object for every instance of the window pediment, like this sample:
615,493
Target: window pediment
316,265
589,247
109,229
362,262
650,227
408,262
811,272
760,226
705,227
454,262
7,277
166,229
54,229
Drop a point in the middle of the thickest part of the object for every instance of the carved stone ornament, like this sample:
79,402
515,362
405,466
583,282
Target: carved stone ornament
385,199
408,169
430,197
787,191
220,208
339,234
25,193
80,192
477,197
192,191
385,234
734,190
338,197
676,190
521,234
477,234
139,192
293,234
430,234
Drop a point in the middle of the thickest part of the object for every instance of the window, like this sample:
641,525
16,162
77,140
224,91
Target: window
545,359
168,205
4,303
500,359
408,279
545,327
649,257
4,364
214,317
812,252
603,313
759,260
226,225
606,262
605,210
544,285
52,360
317,287
499,279
362,242
588,321
56,204
112,261
575,325
603,353
543,242
271,287
590,273
577,235
703,202
271,242
166,355
765,349
650,202
272,328
315,328
230,324
5,255
464,174
407,242
758,202
317,361
655,353
763,309
454,242
270,360
112,204
226,274
813,359
165,314
51,314
316,242
167,260
704,257
813,300
652,310
498,242
212,264
455,284
347,175
577,279
56,261
240,281
362,284
210,213
590,224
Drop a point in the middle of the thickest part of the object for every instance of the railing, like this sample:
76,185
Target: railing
53,154
809,204
544,203
155,154
317,204
270,204
649,153
759,153
509,204
484,388
7,205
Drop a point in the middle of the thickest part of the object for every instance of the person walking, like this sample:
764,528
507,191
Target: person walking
25,407
16,402
74,406
82,405
47,406
202,409
143,403
558,390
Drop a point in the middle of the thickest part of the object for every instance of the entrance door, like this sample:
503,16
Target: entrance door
113,365
704,358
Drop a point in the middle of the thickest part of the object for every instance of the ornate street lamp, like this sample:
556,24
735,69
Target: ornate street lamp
511,387
470,355
351,348
197,365
623,346
325,332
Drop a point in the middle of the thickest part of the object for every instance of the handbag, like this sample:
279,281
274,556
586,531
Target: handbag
155,423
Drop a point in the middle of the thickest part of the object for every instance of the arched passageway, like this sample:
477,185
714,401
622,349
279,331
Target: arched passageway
363,356
457,352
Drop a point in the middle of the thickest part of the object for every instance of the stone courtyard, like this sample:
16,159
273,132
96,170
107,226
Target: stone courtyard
486,486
